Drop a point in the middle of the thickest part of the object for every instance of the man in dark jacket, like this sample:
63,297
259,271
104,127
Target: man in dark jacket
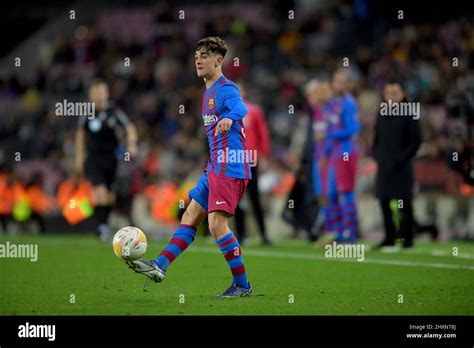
397,138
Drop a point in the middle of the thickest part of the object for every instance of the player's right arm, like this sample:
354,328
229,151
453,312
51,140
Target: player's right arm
229,96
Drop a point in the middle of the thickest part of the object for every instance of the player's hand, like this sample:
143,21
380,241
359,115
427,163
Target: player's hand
223,126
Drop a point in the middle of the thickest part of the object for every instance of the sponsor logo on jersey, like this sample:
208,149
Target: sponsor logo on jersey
209,119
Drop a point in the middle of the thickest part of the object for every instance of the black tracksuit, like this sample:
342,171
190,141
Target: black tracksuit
397,139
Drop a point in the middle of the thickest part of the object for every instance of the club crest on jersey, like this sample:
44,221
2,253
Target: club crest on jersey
95,125
210,103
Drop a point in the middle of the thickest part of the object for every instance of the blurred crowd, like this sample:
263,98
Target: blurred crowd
145,53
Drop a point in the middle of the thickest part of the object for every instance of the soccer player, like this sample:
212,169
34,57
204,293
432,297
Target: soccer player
97,141
321,108
343,157
326,119
225,177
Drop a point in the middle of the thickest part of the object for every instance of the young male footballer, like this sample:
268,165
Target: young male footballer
225,177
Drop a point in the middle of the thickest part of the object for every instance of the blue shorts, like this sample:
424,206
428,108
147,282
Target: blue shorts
200,193
216,192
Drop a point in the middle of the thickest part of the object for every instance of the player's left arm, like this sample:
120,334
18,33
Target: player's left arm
229,96
130,131
350,124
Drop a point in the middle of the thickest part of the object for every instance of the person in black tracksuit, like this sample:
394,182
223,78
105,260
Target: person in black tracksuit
97,140
396,142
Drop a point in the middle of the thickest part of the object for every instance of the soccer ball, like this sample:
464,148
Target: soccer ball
129,243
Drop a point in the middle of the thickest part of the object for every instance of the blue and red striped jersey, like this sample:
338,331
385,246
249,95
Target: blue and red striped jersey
343,126
228,153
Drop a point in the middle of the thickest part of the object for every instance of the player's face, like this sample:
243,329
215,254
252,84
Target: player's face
318,94
340,83
99,94
206,62
393,92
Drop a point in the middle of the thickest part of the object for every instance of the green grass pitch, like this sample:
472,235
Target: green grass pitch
79,275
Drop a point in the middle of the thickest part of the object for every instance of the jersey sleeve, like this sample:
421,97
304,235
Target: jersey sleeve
230,98
349,121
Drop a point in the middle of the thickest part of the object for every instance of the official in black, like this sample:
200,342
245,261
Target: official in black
397,138
97,142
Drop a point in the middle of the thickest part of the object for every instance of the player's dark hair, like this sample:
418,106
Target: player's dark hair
399,83
213,44
96,82
395,82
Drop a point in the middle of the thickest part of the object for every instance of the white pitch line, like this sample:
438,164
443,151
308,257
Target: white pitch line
250,252
441,253
445,253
